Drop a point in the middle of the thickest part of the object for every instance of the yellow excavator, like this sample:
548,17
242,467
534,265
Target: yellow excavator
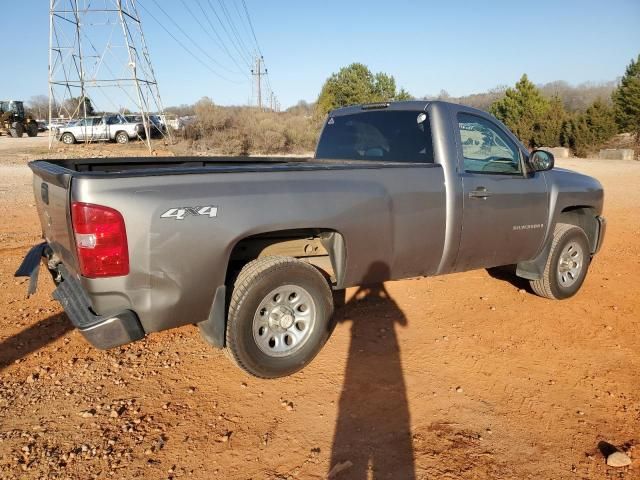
14,122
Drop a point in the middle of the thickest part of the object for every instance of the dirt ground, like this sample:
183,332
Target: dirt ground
462,376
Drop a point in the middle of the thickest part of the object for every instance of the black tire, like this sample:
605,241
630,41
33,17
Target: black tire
17,130
68,138
253,286
569,243
122,138
32,129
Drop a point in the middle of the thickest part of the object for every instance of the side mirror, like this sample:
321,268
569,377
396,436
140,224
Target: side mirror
541,160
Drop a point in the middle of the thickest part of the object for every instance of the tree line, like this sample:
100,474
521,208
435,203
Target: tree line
556,114
537,119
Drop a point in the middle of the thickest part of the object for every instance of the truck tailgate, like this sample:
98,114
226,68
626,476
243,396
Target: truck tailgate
52,196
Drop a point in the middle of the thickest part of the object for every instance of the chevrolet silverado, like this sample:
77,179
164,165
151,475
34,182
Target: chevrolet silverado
250,249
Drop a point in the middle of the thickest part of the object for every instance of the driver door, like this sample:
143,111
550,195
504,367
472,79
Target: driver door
504,210
79,129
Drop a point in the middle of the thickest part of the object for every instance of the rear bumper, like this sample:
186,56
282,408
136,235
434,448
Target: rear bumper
102,331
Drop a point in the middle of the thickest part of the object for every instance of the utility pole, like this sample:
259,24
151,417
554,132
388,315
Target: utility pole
258,72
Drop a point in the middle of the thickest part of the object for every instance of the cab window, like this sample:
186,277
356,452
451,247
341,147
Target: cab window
486,148
381,135
114,120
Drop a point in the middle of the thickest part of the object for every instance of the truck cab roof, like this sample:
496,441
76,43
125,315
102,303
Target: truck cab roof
411,105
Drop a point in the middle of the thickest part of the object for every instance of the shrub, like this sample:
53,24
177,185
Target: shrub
627,100
588,131
248,130
356,84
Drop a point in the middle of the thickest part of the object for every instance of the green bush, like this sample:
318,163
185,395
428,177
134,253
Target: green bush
522,110
355,84
588,131
540,122
626,99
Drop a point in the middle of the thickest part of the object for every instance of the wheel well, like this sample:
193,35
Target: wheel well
583,217
322,248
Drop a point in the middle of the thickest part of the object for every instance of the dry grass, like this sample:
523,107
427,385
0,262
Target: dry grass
245,130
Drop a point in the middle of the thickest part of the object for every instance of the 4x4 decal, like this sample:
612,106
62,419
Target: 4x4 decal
180,213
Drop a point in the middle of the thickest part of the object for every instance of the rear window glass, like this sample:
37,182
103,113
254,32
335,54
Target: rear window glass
385,135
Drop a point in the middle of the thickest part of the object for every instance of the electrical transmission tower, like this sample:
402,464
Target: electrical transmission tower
258,73
99,62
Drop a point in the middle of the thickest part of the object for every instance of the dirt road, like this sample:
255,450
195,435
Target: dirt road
463,376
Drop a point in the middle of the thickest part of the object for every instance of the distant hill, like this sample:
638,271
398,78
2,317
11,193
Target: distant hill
576,98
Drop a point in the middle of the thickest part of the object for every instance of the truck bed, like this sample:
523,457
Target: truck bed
59,171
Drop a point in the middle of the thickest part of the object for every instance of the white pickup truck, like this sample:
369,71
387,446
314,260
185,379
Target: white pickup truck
105,128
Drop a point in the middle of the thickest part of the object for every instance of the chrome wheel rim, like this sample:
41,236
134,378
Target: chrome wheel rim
121,139
570,264
284,320
67,139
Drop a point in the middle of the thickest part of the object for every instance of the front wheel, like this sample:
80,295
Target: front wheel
17,130
567,265
122,137
68,138
279,316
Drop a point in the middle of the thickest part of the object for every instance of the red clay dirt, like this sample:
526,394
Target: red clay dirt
461,376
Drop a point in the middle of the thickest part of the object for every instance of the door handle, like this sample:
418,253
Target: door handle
480,192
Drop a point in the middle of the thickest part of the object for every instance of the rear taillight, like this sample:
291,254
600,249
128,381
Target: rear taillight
101,240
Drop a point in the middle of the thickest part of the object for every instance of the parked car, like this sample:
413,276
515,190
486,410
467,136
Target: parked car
42,125
55,123
156,126
105,128
250,249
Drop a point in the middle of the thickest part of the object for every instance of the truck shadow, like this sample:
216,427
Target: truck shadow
33,338
508,274
373,432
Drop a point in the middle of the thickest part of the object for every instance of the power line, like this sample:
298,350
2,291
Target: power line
224,46
233,26
241,38
253,32
186,34
243,21
209,35
184,47
271,95
236,46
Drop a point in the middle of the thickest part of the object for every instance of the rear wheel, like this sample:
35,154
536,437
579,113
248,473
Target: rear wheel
68,138
16,130
567,265
122,137
279,316
32,129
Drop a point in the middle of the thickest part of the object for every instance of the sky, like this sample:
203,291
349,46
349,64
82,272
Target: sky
428,46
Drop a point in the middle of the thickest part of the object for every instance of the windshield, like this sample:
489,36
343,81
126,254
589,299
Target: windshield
385,135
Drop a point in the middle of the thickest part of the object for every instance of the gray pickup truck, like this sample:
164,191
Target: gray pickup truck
250,249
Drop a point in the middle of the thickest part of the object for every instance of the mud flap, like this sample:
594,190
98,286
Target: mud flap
533,269
213,328
30,266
